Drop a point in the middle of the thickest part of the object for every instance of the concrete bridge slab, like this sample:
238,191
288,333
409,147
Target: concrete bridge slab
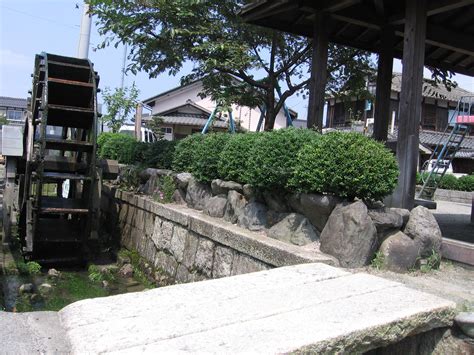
310,307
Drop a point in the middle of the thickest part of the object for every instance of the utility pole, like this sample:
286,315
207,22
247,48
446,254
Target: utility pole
85,35
124,63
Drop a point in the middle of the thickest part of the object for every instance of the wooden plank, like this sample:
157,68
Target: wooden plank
410,103
318,74
382,111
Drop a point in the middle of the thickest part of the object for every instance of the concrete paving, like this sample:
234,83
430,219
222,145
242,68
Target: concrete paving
311,307
454,219
32,333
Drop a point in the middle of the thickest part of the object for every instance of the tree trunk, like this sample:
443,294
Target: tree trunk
270,115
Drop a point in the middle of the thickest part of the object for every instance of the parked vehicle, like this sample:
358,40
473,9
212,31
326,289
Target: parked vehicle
147,135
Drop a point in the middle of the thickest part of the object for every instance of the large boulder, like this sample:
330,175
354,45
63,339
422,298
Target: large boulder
216,206
405,214
424,230
254,216
385,219
179,197
197,194
182,180
221,187
399,252
249,192
316,207
235,206
350,235
275,217
294,229
276,202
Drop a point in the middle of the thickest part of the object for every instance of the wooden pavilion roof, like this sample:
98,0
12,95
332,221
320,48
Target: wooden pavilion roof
358,23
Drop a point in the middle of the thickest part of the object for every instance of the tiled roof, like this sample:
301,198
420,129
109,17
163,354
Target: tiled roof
13,102
191,121
432,138
430,90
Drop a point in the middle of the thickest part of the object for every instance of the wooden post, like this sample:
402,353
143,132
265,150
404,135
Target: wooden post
318,79
384,85
410,102
138,122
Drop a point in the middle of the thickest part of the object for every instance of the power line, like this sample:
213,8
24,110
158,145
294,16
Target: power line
40,17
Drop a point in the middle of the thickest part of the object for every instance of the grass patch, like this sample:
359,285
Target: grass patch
72,287
138,264
378,261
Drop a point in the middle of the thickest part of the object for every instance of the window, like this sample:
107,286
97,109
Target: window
167,130
15,115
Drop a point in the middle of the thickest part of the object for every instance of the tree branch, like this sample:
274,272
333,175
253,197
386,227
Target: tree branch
290,92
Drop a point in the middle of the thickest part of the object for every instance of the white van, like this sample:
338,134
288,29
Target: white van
147,135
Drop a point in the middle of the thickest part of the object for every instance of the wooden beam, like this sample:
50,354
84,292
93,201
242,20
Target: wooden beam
318,73
379,7
382,111
410,103
434,8
333,6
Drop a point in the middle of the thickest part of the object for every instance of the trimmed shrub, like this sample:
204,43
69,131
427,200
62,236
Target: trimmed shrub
184,152
206,156
449,182
466,183
159,154
346,164
232,164
103,138
119,147
271,160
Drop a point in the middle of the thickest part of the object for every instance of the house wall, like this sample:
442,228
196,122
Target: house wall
248,117
434,114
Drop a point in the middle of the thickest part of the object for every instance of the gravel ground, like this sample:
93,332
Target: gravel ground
453,281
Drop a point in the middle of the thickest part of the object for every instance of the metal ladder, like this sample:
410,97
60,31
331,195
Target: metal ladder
447,147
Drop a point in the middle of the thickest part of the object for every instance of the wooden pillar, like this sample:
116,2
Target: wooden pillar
410,102
382,112
319,64
138,122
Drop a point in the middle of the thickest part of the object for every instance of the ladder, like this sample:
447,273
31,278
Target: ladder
447,147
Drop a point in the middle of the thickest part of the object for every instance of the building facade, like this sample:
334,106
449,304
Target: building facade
184,112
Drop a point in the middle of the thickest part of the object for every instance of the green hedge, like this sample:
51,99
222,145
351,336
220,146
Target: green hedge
127,150
160,154
450,182
346,164
119,147
232,164
286,160
184,152
206,156
272,158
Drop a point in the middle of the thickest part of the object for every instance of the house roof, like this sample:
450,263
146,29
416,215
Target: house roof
293,113
432,138
13,102
430,89
189,103
191,121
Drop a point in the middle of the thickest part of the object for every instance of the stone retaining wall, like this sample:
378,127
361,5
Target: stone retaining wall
454,196
190,246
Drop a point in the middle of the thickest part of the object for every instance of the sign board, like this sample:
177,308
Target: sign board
12,141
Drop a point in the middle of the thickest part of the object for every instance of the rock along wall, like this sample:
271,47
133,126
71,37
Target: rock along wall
190,246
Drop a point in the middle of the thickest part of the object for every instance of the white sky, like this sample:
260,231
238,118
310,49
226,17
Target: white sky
28,27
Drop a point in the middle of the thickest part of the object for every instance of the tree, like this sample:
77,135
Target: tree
154,124
164,34
120,103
